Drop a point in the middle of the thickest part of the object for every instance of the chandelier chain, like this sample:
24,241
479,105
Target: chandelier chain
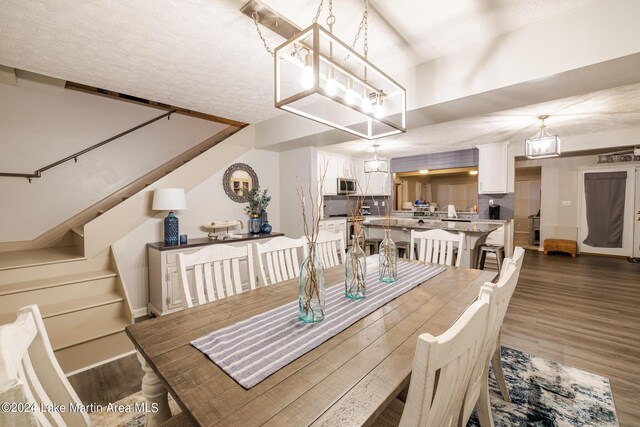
256,20
315,18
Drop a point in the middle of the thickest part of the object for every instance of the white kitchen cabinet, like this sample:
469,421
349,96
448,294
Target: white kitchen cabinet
326,160
335,226
492,168
164,289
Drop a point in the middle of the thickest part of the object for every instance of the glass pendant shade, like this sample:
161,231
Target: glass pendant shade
543,144
376,165
319,77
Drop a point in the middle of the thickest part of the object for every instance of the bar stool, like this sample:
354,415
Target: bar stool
485,248
373,245
403,249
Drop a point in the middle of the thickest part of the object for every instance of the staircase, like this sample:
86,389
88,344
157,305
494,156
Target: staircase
72,273
83,303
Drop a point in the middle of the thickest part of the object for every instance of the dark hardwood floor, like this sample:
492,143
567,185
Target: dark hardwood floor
582,312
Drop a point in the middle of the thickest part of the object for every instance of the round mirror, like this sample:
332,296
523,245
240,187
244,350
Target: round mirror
238,180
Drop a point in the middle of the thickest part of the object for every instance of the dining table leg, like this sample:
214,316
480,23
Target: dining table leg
156,394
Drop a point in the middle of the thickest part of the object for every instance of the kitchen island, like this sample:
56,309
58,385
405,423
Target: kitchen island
475,232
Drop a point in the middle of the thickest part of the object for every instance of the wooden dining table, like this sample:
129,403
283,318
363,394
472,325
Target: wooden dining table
346,381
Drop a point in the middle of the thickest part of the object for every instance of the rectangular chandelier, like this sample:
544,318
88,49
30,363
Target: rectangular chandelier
319,77
542,147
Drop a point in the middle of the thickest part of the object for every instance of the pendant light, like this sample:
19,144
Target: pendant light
376,165
543,144
322,78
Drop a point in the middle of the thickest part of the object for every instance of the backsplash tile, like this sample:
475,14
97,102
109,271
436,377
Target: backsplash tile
339,205
506,202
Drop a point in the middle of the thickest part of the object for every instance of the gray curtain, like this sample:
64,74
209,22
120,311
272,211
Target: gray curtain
604,194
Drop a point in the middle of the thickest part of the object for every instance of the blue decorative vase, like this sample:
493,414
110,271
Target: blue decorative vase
171,230
254,224
266,228
264,217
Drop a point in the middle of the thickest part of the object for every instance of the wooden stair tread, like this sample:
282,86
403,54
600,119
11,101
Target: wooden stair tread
69,337
69,306
15,287
31,257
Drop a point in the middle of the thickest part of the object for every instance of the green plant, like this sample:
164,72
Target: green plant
257,201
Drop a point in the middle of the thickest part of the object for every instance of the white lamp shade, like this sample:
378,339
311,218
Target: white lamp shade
169,199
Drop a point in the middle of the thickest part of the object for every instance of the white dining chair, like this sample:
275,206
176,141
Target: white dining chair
31,375
496,359
217,272
280,257
442,368
477,395
330,247
437,246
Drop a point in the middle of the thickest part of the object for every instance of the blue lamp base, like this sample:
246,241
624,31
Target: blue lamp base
171,230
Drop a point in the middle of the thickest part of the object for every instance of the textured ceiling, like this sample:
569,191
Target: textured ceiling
595,112
205,55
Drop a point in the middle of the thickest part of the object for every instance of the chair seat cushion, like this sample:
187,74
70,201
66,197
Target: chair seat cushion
180,420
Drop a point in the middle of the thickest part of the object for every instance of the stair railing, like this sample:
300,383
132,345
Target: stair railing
74,156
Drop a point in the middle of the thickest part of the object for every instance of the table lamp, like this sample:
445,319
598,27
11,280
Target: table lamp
170,199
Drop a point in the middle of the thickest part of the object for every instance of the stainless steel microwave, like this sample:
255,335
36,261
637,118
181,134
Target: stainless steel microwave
346,186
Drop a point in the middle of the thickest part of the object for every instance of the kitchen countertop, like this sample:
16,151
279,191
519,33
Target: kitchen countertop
478,226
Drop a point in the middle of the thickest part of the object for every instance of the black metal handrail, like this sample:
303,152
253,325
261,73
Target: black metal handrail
38,173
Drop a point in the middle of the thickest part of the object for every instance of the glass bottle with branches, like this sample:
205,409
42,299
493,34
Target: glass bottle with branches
311,299
355,271
387,252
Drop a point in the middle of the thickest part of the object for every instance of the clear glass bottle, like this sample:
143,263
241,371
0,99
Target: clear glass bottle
311,292
355,271
387,260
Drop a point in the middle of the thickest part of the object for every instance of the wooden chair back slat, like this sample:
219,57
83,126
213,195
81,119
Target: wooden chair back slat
500,295
217,273
330,248
437,246
442,368
199,284
29,369
280,255
208,281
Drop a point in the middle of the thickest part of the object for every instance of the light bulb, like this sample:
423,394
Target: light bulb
378,111
306,80
350,95
331,87
366,102
374,164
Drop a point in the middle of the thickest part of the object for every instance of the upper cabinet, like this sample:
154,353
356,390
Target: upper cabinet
492,168
345,167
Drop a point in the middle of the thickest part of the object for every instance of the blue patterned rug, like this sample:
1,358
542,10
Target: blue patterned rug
549,394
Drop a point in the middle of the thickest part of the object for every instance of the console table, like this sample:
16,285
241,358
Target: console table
164,290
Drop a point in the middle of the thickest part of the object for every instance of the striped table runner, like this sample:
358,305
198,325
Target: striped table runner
251,350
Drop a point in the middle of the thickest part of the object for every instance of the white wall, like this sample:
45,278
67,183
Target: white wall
42,122
298,166
205,203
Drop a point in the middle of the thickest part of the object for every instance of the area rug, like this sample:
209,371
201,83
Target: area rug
549,394
543,393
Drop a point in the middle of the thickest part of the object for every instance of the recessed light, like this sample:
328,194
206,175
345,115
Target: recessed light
424,171
473,172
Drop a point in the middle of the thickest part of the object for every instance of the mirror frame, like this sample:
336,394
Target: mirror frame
226,181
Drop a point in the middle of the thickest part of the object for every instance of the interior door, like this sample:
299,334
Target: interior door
636,238
629,227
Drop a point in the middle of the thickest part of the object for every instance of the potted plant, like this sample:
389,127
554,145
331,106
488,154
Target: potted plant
258,202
